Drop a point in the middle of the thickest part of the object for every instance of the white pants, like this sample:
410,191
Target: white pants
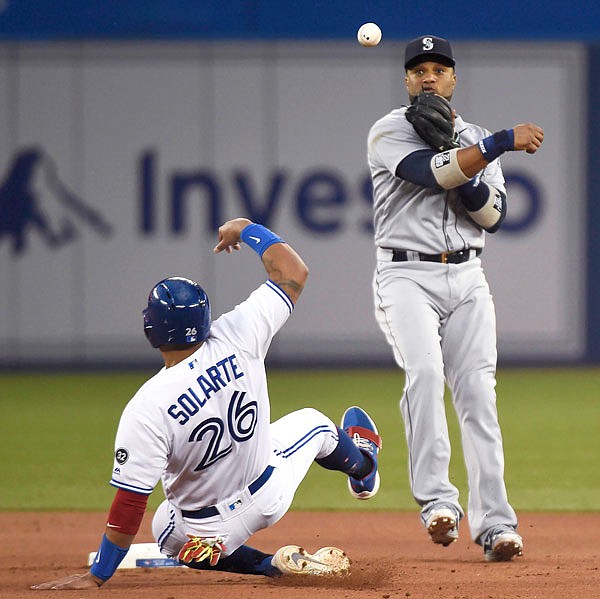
440,321
298,439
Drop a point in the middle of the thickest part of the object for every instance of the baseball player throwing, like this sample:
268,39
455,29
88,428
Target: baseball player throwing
202,426
438,187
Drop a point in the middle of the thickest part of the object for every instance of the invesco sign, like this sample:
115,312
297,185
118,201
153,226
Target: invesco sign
320,198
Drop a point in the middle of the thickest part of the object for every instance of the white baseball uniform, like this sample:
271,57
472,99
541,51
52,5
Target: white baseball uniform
203,428
440,321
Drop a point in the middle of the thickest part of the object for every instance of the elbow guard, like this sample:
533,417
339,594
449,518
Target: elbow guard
485,204
446,170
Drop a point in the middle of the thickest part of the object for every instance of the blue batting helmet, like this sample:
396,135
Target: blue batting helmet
178,312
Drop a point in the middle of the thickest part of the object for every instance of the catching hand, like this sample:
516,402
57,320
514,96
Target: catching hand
432,118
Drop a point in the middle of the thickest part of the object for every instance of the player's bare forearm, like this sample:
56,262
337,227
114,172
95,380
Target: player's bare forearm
283,265
286,268
471,160
119,538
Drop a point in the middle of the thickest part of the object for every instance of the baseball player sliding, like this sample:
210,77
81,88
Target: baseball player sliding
202,426
438,187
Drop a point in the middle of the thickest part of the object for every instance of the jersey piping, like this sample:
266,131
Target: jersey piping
319,430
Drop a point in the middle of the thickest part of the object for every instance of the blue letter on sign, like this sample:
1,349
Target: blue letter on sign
320,192
533,204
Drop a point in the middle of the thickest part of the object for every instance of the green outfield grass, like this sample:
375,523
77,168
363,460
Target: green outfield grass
57,433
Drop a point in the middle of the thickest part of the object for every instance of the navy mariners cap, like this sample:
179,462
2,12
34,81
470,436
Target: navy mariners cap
428,47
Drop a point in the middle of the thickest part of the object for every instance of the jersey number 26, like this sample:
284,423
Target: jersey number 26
241,423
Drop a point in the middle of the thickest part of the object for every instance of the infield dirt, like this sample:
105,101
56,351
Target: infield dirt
392,557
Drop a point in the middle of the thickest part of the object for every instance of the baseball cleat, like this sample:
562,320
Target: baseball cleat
442,526
327,561
363,432
501,544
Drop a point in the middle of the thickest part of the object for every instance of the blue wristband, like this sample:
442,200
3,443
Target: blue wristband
493,146
259,238
107,559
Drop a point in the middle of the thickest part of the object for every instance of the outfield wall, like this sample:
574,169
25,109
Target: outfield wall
120,162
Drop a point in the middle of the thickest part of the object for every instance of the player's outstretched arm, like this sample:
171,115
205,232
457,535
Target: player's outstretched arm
455,167
283,265
124,519
86,580
527,137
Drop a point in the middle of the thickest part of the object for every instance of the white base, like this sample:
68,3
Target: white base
143,555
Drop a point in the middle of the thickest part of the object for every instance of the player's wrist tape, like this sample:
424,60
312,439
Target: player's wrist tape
259,238
107,560
493,146
446,170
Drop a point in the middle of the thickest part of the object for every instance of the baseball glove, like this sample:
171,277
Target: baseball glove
431,116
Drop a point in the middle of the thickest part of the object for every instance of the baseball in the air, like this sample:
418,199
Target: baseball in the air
369,34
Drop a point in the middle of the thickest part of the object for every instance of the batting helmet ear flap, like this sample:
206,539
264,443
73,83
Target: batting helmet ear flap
178,313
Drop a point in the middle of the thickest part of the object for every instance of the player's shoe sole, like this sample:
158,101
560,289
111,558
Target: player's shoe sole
363,432
502,545
327,561
442,526
365,494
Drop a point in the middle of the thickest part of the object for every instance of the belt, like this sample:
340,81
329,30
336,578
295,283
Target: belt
446,258
211,510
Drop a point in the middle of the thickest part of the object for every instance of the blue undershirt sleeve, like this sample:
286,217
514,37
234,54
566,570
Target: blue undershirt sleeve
416,168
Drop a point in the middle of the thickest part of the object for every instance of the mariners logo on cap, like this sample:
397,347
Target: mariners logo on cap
428,47
427,44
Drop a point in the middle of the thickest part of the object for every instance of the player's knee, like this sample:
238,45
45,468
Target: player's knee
472,387
476,379
313,416
429,374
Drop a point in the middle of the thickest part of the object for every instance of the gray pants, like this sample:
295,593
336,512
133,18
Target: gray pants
440,321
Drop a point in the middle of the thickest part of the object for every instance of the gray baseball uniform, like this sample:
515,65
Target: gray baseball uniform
439,319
